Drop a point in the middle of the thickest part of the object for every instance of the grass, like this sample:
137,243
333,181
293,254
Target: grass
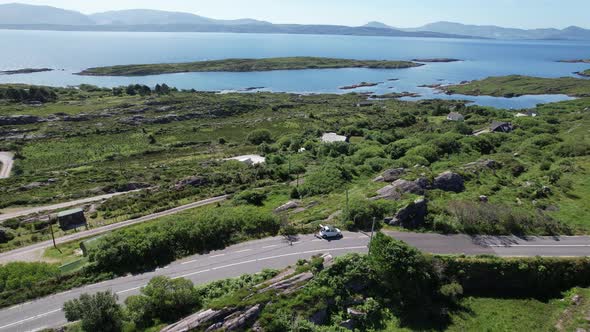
516,85
245,65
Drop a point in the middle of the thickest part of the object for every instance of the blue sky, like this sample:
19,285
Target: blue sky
401,13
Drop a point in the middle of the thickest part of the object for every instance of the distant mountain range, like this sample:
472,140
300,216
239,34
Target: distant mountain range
28,17
494,32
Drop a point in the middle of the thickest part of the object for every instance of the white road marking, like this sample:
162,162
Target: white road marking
189,262
129,290
191,274
218,255
241,251
30,318
274,245
199,272
540,246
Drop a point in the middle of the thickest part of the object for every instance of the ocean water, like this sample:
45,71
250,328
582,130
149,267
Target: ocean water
71,52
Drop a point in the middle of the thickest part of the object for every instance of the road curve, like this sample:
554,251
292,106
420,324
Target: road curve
6,163
24,254
254,256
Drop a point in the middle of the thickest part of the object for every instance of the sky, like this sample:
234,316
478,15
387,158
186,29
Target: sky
399,13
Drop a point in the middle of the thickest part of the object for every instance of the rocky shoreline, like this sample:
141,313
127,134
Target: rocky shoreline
437,60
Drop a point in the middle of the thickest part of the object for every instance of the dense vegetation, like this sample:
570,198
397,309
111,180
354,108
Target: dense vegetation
515,85
91,141
395,288
245,65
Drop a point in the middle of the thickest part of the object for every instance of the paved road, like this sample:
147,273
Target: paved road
58,206
28,253
254,256
6,161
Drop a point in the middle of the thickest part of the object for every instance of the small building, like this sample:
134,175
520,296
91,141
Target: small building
71,219
365,104
501,127
529,114
250,159
333,138
454,116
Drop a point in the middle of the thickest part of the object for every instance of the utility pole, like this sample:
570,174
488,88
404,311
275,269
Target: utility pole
372,233
346,215
51,219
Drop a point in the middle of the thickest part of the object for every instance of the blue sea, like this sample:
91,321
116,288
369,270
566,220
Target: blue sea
71,52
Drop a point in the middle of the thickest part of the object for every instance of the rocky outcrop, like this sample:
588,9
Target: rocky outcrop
411,216
201,319
15,120
390,175
193,181
400,187
449,181
290,205
482,165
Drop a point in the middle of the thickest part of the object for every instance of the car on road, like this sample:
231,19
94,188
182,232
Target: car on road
329,232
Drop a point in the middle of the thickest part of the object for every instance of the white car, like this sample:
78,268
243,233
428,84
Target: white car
329,232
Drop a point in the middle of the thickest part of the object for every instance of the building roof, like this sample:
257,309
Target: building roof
497,124
69,212
251,159
333,137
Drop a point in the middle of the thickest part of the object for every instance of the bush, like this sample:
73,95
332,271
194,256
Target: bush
148,246
578,148
252,197
98,312
362,211
163,299
259,136
325,180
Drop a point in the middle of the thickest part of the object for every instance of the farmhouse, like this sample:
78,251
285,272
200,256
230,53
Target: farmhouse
501,127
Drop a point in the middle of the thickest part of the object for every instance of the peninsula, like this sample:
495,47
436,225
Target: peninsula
517,85
24,71
585,73
245,65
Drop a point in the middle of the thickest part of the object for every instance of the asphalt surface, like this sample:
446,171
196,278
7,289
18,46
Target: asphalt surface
6,162
254,256
58,206
28,253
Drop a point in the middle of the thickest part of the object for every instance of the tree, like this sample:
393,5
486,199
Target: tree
259,136
164,299
404,272
98,312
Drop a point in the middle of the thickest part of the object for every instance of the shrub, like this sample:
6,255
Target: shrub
577,148
252,197
325,180
163,299
428,152
259,136
98,312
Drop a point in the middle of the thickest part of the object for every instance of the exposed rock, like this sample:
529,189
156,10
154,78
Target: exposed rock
400,187
287,284
241,320
483,198
19,120
354,313
412,216
199,320
290,205
449,181
193,181
390,175
319,317
576,299
482,164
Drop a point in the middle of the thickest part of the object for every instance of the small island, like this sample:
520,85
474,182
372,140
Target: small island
517,85
396,95
575,61
360,85
585,73
25,71
437,60
245,65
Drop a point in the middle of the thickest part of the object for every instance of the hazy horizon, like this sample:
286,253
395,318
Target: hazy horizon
527,14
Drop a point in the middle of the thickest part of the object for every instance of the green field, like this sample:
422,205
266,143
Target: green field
515,85
245,65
